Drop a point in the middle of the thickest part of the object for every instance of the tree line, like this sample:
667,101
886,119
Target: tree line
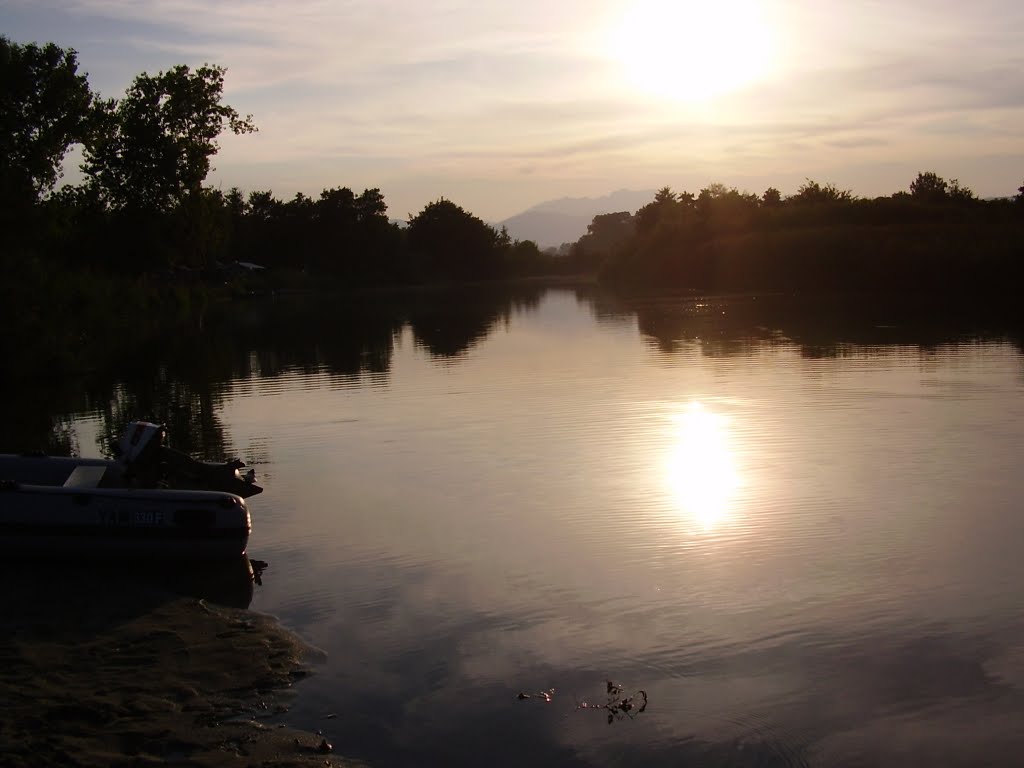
936,236
143,206
143,211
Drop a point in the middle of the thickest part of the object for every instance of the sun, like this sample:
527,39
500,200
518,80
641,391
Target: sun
690,51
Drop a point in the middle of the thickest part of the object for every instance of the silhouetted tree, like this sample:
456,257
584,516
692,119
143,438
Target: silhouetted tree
522,257
263,206
606,232
235,209
725,208
932,189
771,198
261,230
959,193
453,242
370,205
661,207
153,147
929,187
353,237
200,226
822,238
44,109
813,193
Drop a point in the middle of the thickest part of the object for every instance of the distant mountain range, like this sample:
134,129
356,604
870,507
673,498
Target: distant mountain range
554,222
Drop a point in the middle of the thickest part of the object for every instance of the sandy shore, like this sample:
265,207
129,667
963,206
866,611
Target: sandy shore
104,668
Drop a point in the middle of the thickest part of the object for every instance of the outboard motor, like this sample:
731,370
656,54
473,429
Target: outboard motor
140,452
148,462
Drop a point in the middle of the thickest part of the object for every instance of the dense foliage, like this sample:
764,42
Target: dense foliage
937,236
45,107
143,210
151,150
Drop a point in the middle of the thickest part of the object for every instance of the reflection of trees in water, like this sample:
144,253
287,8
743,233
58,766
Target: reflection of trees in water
179,380
708,324
819,326
451,331
35,413
190,414
182,378
605,307
450,323
29,426
345,338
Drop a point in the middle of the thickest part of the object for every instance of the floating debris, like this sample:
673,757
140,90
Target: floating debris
546,695
258,567
618,706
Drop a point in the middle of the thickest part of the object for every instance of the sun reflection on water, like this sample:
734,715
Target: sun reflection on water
700,469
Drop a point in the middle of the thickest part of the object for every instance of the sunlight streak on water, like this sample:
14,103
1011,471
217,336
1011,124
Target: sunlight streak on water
700,470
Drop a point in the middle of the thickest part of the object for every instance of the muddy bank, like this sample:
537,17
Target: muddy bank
100,667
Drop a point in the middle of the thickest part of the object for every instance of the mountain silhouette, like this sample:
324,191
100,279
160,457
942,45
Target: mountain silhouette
565,220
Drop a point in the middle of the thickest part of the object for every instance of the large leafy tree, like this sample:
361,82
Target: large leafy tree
771,198
153,148
44,110
453,242
662,207
929,187
354,239
813,193
607,232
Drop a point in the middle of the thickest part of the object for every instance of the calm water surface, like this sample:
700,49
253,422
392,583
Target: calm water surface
800,537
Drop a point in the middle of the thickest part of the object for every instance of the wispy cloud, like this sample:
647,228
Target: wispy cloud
406,94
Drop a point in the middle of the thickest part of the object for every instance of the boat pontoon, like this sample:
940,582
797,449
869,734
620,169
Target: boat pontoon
149,501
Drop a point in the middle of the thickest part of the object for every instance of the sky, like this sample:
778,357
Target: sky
500,105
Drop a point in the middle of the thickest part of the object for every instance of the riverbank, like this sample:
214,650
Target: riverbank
97,672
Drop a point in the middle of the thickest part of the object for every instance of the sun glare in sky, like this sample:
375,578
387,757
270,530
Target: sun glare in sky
691,51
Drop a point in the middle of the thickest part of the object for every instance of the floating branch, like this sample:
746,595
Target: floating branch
618,706
545,695
258,567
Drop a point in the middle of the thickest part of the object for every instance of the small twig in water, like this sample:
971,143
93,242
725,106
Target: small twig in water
546,695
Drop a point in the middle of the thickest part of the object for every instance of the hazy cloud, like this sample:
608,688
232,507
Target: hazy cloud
452,94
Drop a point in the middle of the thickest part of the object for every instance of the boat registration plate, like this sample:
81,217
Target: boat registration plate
131,517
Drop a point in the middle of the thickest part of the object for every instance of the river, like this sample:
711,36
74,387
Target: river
794,526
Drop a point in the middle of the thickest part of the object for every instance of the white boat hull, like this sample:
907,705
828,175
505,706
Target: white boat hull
153,502
122,522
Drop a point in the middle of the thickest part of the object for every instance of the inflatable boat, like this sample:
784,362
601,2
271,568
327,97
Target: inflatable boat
151,501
